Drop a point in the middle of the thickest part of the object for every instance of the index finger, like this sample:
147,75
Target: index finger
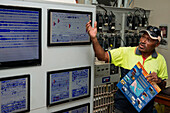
147,76
88,22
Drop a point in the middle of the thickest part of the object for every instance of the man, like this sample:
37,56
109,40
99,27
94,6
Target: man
127,57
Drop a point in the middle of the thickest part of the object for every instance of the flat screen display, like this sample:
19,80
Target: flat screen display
15,94
85,108
67,85
20,36
68,27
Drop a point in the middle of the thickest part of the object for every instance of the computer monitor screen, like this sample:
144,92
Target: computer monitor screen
20,36
84,108
68,27
15,94
67,85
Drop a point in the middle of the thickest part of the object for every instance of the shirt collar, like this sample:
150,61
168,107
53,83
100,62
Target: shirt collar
154,54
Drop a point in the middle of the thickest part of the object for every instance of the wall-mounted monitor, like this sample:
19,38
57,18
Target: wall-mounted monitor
15,94
85,108
67,27
20,36
67,85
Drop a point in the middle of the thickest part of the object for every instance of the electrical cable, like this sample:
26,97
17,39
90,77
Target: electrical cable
102,8
123,41
118,36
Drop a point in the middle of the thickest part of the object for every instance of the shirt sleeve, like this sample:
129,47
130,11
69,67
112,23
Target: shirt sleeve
163,73
115,56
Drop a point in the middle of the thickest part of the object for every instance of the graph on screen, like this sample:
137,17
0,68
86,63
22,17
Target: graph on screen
15,94
20,36
68,27
66,85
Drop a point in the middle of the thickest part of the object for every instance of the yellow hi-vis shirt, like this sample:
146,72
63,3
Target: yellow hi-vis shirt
127,57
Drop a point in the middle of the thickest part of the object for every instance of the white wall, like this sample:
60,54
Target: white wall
159,15
53,58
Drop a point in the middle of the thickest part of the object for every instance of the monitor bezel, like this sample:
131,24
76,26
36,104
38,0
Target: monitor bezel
28,62
49,43
73,108
27,76
72,98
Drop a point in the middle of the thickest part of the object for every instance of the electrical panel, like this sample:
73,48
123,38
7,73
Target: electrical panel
105,73
109,26
102,70
104,98
120,26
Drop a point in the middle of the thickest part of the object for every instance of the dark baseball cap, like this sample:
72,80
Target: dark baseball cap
153,32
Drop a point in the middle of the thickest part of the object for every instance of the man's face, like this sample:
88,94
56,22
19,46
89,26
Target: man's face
146,44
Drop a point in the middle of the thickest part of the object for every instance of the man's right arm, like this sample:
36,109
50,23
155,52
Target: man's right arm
99,51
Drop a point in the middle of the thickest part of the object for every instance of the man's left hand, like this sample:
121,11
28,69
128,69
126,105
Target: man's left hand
152,77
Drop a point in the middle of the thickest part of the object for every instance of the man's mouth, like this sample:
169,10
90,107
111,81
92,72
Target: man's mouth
141,45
